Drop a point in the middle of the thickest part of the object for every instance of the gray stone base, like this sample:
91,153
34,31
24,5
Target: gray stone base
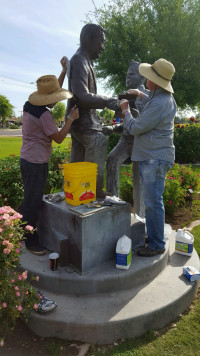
85,238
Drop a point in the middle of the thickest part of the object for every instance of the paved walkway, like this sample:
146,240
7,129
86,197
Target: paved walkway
10,132
15,132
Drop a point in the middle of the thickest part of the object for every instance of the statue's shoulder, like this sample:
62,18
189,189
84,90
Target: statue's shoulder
79,58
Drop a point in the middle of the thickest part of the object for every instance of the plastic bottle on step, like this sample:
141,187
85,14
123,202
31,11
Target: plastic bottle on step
184,242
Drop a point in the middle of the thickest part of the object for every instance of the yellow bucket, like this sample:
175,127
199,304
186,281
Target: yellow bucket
80,182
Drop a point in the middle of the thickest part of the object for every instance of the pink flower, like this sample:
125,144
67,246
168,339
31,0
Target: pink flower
17,250
4,305
6,251
18,294
27,292
11,235
29,227
35,306
19,308
12,280
1,229
20,277
37,278
17,216
16,288
24,275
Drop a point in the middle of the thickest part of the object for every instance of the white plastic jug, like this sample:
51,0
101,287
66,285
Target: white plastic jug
184,242
123,252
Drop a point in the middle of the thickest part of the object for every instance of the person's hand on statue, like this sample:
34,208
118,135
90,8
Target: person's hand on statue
124,105
74,113
135,92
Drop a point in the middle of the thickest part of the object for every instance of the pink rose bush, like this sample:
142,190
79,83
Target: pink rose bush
181,183
181,187
17,297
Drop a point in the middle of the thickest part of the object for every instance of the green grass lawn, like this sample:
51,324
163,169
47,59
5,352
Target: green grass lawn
12,145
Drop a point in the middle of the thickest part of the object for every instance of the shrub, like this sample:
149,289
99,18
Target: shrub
13,126
17,297
187,143
181,181
11,185
180,186
55,175
112,142
126,184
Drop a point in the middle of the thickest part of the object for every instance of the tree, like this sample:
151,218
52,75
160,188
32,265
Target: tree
146,30
58,112
106,114
6,109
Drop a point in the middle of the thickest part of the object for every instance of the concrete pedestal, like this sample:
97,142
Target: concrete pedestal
84,238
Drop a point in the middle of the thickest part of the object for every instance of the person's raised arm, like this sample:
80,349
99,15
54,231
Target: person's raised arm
61,78
59,136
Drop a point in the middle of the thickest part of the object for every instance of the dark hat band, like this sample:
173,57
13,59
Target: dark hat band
158,74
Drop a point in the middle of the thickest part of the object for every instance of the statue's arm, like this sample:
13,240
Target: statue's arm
79,79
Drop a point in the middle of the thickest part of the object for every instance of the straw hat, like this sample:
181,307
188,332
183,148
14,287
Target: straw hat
160,73
49,91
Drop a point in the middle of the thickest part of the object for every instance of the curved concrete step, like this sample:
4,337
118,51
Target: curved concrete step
104,318
102,280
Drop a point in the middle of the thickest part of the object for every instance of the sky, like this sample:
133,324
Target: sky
34,36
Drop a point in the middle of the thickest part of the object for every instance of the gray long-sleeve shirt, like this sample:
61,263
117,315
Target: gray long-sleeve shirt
154,128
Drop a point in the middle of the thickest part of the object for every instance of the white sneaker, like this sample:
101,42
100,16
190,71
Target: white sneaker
45,305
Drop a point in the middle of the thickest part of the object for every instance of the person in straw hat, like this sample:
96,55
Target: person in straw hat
153,146
38,131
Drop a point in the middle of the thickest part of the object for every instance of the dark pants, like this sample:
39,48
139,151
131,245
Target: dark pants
34,178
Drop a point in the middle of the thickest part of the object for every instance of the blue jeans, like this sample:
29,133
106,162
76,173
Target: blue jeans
153,173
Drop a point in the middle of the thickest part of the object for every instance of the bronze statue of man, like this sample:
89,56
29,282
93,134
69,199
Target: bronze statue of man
89,143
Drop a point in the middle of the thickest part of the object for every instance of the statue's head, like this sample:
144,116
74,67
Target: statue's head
133,78
92,39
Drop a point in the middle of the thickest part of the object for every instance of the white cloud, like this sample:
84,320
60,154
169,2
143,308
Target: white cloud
29,24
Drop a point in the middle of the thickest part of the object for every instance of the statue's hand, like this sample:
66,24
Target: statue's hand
118,129
113,104
107,130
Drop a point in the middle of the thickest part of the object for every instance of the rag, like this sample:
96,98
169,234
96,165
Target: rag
114,200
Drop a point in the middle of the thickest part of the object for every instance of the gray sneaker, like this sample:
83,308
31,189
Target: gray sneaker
46,305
